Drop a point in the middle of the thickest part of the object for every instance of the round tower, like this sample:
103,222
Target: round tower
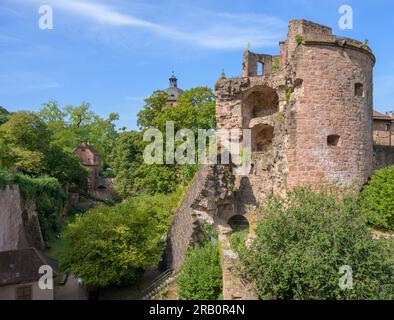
331,139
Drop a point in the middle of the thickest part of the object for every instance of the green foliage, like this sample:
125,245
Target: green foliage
65,166
26,130
154,106
27,145
47,193
275,66
299,39
237,240
125,159
24,160
288,95
72,125
302,242
156,178
377,199
279,117
201,277
4,115
195,109
112,245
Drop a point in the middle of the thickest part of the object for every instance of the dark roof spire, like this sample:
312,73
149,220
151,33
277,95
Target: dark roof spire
173,80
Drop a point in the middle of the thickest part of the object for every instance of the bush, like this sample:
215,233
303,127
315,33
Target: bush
237,240
302,242
377,199
201,277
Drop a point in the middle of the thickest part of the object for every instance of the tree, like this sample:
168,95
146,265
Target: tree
154,106
4,115
65,166
195,109
377,199
201,276
302,242
25,140
72,125
112,245
26,144
26,130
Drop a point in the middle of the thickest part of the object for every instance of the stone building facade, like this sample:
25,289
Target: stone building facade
98,187
383,129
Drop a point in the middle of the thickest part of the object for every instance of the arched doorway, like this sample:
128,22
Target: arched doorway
238,223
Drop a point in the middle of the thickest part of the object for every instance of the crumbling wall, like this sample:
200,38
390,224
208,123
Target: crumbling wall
383,156
19,226
204,202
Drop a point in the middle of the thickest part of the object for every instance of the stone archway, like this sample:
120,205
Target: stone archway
260,101
238,223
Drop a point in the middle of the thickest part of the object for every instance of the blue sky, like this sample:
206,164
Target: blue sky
114,53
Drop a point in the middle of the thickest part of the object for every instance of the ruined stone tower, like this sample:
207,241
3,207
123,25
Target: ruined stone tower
309,109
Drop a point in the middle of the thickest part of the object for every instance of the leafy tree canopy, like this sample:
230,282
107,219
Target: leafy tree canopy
303,241
377,199
72,125
4,115
112,245
195,109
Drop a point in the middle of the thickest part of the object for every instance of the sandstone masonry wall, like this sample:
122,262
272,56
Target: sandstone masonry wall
383,156
19,226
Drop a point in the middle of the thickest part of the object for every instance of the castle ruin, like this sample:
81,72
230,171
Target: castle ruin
310,112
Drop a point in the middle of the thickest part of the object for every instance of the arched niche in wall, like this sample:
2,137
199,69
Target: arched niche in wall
238,223
262,136
259,101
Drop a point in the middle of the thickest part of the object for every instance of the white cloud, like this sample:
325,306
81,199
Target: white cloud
215,30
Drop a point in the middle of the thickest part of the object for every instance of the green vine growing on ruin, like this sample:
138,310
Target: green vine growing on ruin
275,66
288,95
298,39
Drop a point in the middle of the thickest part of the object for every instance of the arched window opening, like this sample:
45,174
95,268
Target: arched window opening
262,101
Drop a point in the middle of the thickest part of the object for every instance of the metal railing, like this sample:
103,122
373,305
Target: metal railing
160,282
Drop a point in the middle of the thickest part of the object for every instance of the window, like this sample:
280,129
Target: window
387,126
359,90
260,68
23,293
333,140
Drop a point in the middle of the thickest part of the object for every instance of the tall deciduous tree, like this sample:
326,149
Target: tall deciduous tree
195,109
112,245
